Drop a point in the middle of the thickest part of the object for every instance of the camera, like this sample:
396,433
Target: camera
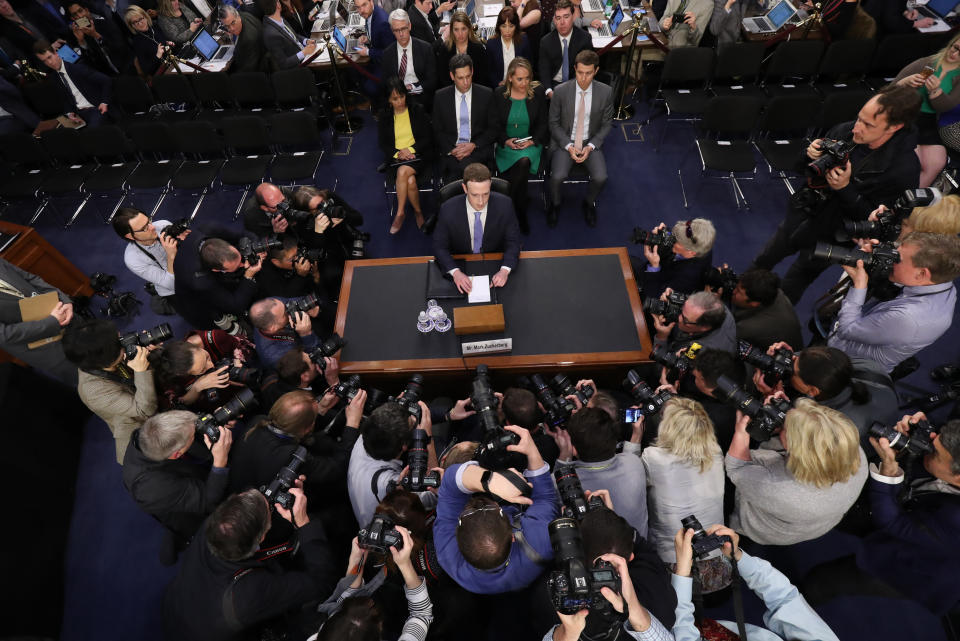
564,387
878,263
302,304
207,424
703,543
492,452
357,239
250,250
574,586
775,368
662,239
889,222
380,535
176,228
119,305
670,309
720,278
144,338
649,401
834,153
327,348
418,478
674,362
764,419
572,498
277,492
409,399
557,409
310,254
346,390
292,215
917,443
249,376
328,209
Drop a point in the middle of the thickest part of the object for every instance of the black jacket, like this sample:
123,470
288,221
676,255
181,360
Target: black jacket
93,85
250,54
501,232
419,123
537,111
256,220
477,53
495,67
445,125
764,326
424,66
551,54
425,29
283,50
145,49
179,493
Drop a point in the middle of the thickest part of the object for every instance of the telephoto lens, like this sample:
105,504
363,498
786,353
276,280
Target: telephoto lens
418,478
145,338
277,492
572,496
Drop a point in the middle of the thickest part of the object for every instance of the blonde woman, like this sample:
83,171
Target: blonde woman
461,38
785,497
684,473
941,218
147,40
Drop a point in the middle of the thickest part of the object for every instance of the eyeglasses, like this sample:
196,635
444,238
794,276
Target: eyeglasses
687,321
472,511
138,20
401,30
144,228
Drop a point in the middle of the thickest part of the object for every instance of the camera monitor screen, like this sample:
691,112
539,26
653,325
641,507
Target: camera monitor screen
340,39
780,14
205,44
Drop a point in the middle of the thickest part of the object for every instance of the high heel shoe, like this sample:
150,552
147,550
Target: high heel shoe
420,222
397,223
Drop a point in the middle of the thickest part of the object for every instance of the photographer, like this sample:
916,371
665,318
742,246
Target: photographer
215,284
892,331
335,231
375,460
277,332
168,473
295,370
704,319
260,213
787,614
785,497
287,273
120,392
682,268
912,554
483,547
763,313
220,590
594,437
520,407
880,167
707,367
149,255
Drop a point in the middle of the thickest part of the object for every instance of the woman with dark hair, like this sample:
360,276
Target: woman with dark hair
461,38
532,15
294,13
508,42
406,141
518,116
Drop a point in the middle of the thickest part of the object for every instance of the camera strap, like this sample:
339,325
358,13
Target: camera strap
123,376
737,598
528,550
515,479
375,481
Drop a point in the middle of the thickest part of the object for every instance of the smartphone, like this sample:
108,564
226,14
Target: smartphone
630,415
524,139
83,23
927,71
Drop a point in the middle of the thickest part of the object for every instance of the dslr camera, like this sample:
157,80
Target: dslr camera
250,250
764,418
310,254
144,338
418,478
207,424
557,409
721,278
562,385
649,401
663,239
775,368
292,215
703,543
492,452
834,153
301,304
409,399
346,390
249,376
678,363
917,443
176,228
327,348
889,222
574,501
878,263
574,585
670,309
380,535
277,492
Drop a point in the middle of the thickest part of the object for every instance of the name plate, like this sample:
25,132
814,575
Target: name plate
495,346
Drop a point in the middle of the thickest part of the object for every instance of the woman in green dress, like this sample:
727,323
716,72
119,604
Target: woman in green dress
518,116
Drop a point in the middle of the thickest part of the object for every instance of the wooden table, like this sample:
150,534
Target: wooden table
600,307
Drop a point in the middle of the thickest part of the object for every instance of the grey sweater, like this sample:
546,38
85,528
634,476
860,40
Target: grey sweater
626,479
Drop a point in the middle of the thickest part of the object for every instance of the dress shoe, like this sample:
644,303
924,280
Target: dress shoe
590,213
429,224
552,216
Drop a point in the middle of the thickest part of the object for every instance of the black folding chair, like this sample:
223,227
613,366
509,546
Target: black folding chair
295,89
73,163
840,107
298,146
844,65
116,160
783,133
174,91
249,157
134,99
253,92
203,151
159,159
684,85
30,165
214,96
896,51
44,97
737,71
792,66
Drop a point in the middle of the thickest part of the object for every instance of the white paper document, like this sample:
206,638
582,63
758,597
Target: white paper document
480,291
492,9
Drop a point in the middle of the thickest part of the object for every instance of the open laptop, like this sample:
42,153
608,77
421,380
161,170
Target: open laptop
937,9
607,30
207,46
773,20
323,15
346,45
351,19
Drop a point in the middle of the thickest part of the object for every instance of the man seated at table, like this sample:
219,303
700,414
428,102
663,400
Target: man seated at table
490,225
286,48
249,54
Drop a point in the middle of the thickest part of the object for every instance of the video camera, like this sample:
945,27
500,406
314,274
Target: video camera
764,418
878,263
562,385
380,535
834,153
326,349
301,304
418,477
207,424
889,222
250,250
670,309
277,492
676,363
703,543
144,338
574,586
649,401
775,368
917,443
557,409
574,501
492,452
663,239
347,390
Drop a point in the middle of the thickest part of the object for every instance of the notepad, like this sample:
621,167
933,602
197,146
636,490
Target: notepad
492,9
480,290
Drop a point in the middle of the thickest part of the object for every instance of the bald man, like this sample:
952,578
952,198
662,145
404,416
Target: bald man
260,210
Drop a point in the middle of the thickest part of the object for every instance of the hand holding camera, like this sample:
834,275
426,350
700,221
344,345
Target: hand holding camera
525,446
637,614
652,252
354,409
217,378
298,514
139,362
220,449
300,322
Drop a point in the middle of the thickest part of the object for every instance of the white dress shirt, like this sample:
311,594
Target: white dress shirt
509,53
82,102
586,115
410,78
457,98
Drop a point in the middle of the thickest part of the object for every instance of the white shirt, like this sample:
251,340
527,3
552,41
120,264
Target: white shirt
457,99
82,102
410,78
509,53
559,76
153,270
586,114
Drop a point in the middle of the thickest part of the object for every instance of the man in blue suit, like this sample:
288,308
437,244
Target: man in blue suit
82,90
377,36
490,225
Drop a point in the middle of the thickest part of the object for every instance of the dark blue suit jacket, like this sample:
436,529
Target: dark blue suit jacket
501,233
381,36
495,67
94,85
12,101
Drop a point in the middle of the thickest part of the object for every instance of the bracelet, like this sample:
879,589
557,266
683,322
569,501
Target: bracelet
446,416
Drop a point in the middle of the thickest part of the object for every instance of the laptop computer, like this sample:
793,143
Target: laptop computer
346,45
350,18
607,30
773,20
207,46
937,9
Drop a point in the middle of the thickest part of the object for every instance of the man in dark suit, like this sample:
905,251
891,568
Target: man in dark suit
477,222
249,54
559,48
377,33
578,136
411,57
424,21
82,90
287,49
462,138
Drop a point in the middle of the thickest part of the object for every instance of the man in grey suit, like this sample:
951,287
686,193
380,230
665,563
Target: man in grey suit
581,114
286,48
15,334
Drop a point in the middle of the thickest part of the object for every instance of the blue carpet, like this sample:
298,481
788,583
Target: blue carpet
113,579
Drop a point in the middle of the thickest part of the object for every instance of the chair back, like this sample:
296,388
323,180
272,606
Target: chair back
789,113
198,138
741,61
105,142
252,90
63,145
295,130
847,57
840,106
294,88
687,66
213,90
153,139
132,95
731,115
455,188
246,134
795,59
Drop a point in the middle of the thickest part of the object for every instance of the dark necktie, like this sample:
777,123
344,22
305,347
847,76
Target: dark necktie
403,65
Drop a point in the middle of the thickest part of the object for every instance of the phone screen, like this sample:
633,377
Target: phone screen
630,415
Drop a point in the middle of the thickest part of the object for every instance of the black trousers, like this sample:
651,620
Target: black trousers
842,577
790,239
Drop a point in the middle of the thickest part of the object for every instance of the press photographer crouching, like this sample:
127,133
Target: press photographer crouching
863,164
227,585
312,371
115,381
335,230
262,213
281,325
700,317
706,369
290,270
676,258
214,280
175,476
763,313
912,553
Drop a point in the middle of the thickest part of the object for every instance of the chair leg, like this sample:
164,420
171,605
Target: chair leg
36,214
116,208
683,191
786,181
156,208
243,199
77,211
203,194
